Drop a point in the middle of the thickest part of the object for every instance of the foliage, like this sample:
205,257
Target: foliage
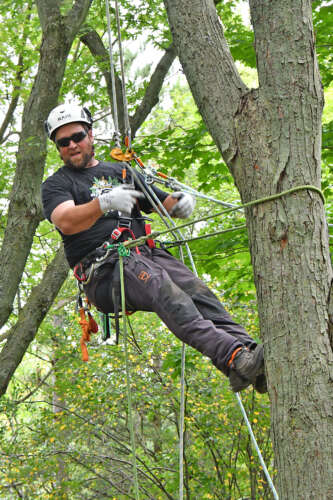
322,20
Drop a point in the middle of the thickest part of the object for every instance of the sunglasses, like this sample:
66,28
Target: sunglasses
65,141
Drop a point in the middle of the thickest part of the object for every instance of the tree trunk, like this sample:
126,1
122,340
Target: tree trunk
270,140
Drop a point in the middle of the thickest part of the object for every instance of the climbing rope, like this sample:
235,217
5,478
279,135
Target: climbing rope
123,82
116,135
168,221
203,236
122,252
117,154
156,234
151,175
177,228
268,477
244,205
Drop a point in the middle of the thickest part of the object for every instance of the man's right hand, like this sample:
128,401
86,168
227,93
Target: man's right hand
120,198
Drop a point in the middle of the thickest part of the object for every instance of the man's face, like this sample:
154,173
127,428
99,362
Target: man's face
76,155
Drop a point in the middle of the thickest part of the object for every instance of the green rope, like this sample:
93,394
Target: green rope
128,375
170,244
156,234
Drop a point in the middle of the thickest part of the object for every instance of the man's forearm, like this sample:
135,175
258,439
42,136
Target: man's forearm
72,219
169,202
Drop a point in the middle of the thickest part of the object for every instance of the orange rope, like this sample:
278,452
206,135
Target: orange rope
88,327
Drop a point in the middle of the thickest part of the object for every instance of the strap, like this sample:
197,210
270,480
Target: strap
118,231
115,295
88,326
150,241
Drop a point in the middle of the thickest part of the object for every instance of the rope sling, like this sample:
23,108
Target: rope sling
123,249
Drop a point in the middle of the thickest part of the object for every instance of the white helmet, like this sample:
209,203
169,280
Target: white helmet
66,113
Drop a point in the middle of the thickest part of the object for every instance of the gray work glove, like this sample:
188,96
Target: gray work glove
184,207
121,198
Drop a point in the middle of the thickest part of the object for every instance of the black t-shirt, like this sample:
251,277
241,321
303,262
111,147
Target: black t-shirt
82,186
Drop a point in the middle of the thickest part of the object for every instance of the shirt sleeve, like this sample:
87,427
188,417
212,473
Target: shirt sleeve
55,190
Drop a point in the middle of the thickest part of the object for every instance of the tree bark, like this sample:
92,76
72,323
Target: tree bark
30,317
270,140
25,213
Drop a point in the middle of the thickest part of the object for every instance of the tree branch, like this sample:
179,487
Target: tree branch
17,86
205,57
76,16
47,9
30,318
35,389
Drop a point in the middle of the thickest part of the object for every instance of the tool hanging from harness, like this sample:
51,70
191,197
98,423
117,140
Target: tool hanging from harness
88,326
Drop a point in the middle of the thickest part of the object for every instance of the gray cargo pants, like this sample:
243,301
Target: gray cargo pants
156,281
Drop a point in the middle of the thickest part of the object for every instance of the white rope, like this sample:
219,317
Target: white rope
161,210
113,84
182,398
128,381
123,82
270,482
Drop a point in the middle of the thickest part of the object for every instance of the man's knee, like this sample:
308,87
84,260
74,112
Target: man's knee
177,303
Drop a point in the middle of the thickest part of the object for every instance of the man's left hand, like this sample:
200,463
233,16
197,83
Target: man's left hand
184,207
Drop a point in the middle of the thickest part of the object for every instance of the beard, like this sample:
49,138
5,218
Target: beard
86,157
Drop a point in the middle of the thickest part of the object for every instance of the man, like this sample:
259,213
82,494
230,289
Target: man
91,202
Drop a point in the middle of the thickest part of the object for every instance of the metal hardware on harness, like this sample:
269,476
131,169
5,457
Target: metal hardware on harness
116,233
125,222
123,251
79,268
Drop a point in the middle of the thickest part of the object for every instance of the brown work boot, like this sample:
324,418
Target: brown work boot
248,368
